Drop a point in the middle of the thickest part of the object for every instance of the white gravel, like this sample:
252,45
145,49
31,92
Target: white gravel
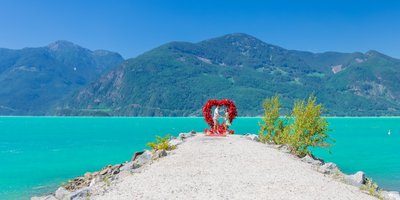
229,168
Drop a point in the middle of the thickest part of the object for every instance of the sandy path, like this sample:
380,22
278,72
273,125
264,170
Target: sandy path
229,168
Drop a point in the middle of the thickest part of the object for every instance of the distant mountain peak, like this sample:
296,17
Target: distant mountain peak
102,52
372,53
240,36
377,54
240,41
236,37
61,44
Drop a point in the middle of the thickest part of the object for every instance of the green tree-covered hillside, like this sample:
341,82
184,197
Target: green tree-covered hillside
177,78
34,80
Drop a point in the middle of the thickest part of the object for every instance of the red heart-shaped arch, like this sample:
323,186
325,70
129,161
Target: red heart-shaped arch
229,104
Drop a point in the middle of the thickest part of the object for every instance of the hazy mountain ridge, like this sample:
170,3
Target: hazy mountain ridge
34,80
176,79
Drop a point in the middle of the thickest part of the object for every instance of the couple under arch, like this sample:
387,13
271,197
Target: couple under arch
216,115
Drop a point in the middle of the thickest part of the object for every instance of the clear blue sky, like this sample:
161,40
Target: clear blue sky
133,27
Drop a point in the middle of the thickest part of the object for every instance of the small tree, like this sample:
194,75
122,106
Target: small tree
308,128
272,126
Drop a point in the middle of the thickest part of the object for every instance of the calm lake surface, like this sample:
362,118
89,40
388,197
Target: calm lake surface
37,154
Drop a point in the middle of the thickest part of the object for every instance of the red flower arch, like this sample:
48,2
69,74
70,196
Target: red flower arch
231,109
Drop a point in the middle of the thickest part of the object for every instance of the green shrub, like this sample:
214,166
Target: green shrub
161,143
308,128
272,128
303,129
106,180
281,134
372,188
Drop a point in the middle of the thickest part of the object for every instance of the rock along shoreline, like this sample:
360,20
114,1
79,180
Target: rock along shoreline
99,183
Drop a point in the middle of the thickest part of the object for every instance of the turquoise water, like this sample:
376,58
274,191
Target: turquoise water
39,153
364,144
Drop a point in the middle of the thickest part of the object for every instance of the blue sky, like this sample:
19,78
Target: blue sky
133,27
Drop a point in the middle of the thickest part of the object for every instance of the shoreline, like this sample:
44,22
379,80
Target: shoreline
118,116
98,183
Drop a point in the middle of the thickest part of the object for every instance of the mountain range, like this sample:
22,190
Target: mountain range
177,78
34,80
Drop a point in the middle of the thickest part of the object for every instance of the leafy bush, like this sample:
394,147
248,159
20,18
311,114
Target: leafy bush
161,143
273,127
303,129
308,128
372,188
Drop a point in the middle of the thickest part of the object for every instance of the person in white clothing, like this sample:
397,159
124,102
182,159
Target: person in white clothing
215,116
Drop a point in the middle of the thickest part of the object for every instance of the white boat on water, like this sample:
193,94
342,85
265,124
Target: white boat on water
389,132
